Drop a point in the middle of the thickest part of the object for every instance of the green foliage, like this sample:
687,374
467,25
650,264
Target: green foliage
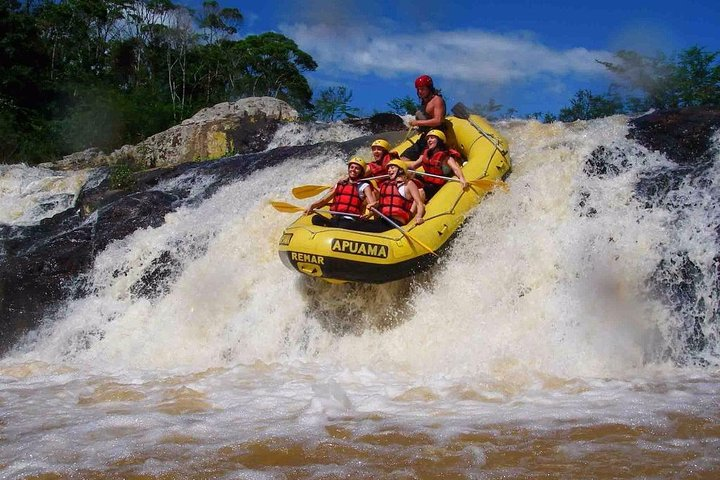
107,72
649,76
334,102
404,106
691,80
219,22
697,78
585,106
544,117
122,177
268,64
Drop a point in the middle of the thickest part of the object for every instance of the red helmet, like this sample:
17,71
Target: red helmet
423,81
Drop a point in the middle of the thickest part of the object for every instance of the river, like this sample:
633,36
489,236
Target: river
543,345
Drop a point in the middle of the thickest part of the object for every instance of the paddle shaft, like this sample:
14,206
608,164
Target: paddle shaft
306,191
462,112
333,212
452,179
402,230
477,182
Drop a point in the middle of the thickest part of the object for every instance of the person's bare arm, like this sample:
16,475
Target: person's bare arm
413,165
419,205
370,197
321,203
436,109
457,170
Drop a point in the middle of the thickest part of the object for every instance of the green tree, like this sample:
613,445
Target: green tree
25,89
697,78
219,22
268,64
693,79
334,101
586,106
404,105
107,72
544,117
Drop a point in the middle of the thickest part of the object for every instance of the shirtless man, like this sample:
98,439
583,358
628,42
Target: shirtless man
430,116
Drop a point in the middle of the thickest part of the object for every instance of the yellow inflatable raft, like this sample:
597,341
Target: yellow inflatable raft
339,255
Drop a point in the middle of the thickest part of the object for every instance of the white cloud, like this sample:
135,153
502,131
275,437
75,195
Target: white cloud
467,55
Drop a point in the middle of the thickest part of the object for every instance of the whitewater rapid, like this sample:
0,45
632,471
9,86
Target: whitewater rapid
528,286
541,315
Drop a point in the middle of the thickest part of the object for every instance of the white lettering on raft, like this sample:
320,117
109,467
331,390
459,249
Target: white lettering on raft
359,248
307,258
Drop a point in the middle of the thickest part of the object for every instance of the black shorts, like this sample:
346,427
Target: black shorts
376,225
414,151
335,221
430,190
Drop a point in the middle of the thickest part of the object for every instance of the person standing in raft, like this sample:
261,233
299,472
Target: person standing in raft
399,198
430,116
438,159
348,197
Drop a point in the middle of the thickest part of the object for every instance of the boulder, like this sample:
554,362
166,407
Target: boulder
379,123
683,135
229,128
91,157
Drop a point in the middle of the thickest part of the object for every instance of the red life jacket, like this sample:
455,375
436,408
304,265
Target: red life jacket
380,168
347,198
437,165
394,205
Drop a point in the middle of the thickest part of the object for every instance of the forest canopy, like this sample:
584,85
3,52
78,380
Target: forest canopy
102,73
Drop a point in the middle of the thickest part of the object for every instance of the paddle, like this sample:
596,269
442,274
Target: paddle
480,182
409,133
285,207
307,191
402,230
461,111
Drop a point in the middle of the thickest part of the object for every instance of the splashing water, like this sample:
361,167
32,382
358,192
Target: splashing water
30,194
538,346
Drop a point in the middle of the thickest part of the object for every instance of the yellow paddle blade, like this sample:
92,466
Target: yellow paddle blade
487,183
415,239
285,207
307,191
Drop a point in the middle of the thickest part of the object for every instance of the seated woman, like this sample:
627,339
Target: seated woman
398,196
437,160
381,157
348,197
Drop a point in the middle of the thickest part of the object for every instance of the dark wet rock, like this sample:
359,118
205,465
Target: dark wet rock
157,279
685,138
378,123
682,135
42,263
675,282
130,213
606,161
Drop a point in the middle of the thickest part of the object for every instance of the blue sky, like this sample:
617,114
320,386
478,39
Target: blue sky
529,55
